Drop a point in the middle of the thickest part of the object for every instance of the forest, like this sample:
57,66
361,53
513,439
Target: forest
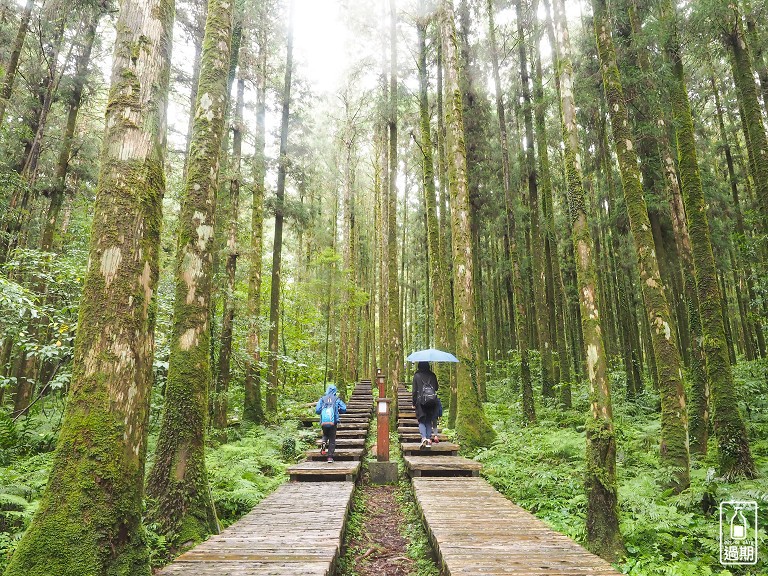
212,209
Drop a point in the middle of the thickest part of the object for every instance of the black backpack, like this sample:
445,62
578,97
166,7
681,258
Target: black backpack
428,396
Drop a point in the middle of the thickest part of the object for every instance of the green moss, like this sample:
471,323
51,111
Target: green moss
178,483
674,441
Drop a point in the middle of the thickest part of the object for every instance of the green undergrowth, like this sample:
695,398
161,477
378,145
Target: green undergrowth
541,467
242,471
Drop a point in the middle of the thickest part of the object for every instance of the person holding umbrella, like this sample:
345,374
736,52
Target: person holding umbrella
425,402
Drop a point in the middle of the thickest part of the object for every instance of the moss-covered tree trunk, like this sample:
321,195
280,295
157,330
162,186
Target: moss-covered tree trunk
746,90
437,273
603,536
444,218
512,234
734,454
277,246
537,243
753,313
58,190
252,408
89,519
13,62
51,51
472,427
674,418
550,265
220,403
394,324
178,484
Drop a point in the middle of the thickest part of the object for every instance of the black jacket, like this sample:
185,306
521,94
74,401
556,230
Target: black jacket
419,379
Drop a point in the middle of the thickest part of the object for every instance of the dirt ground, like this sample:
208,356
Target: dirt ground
380,549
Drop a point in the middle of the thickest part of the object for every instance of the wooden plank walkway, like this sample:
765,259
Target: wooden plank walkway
286,534
475,530
289,532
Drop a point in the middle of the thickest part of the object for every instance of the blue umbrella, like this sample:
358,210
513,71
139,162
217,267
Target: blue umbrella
431,355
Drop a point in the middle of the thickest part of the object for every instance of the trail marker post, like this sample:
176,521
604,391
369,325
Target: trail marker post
382,471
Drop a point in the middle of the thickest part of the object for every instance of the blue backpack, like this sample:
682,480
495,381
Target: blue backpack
328,410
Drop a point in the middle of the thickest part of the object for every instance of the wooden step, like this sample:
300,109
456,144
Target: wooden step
344,425
345,442
346,418
351,433
418,466
341,454
410,429
439,449
329,471
409,437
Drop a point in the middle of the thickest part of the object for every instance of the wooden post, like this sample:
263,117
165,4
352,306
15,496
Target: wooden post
381,383
382,430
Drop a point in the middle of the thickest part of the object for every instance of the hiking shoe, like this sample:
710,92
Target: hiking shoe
323,449
330,460
423,443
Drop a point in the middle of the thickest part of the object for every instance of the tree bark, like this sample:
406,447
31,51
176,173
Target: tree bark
13,62
228,313
674,419
603,536
178,483
252,408
93,500
743,76
512,235
734,454
394,324
274,303
471,425
435,250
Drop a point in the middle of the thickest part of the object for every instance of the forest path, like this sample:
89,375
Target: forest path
473,528
298,529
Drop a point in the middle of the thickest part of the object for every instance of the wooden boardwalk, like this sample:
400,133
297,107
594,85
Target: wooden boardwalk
476,530
298,529
289,533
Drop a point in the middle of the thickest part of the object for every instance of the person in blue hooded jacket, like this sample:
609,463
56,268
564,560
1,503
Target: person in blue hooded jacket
328,407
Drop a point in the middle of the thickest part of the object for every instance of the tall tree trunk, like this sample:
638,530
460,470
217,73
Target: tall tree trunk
277,253
228,313
741,230
512,234
58,190
252,408
472,427
743,76
544,275
178,483
603,536
394,324
13,63
93,500
435,250
674,419
734,454
444,218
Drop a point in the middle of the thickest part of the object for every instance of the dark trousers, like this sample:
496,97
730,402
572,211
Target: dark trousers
329,437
